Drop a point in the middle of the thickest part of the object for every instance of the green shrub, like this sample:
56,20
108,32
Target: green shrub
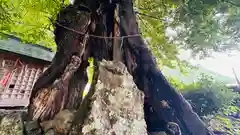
221,122
209,95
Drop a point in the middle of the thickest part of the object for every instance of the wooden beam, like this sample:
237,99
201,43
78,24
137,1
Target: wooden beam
117,53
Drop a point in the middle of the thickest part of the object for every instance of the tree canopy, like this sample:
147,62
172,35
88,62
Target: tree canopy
30,20
202,26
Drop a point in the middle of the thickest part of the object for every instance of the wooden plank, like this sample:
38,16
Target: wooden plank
117,53
14,102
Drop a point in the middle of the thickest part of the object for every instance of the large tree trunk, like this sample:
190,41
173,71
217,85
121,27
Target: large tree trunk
150,79
61,86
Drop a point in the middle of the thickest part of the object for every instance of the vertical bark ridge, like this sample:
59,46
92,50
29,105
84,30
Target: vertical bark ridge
150,79
48,100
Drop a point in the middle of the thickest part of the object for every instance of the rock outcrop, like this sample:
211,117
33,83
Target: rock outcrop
11,123
117,104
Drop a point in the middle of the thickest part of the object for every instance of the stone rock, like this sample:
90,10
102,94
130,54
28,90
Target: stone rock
60,124
11,124
50,132
33,128
117,104
16,122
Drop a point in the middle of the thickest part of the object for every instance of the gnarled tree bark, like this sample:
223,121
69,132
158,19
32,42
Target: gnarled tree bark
52,90
150,79
163,104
